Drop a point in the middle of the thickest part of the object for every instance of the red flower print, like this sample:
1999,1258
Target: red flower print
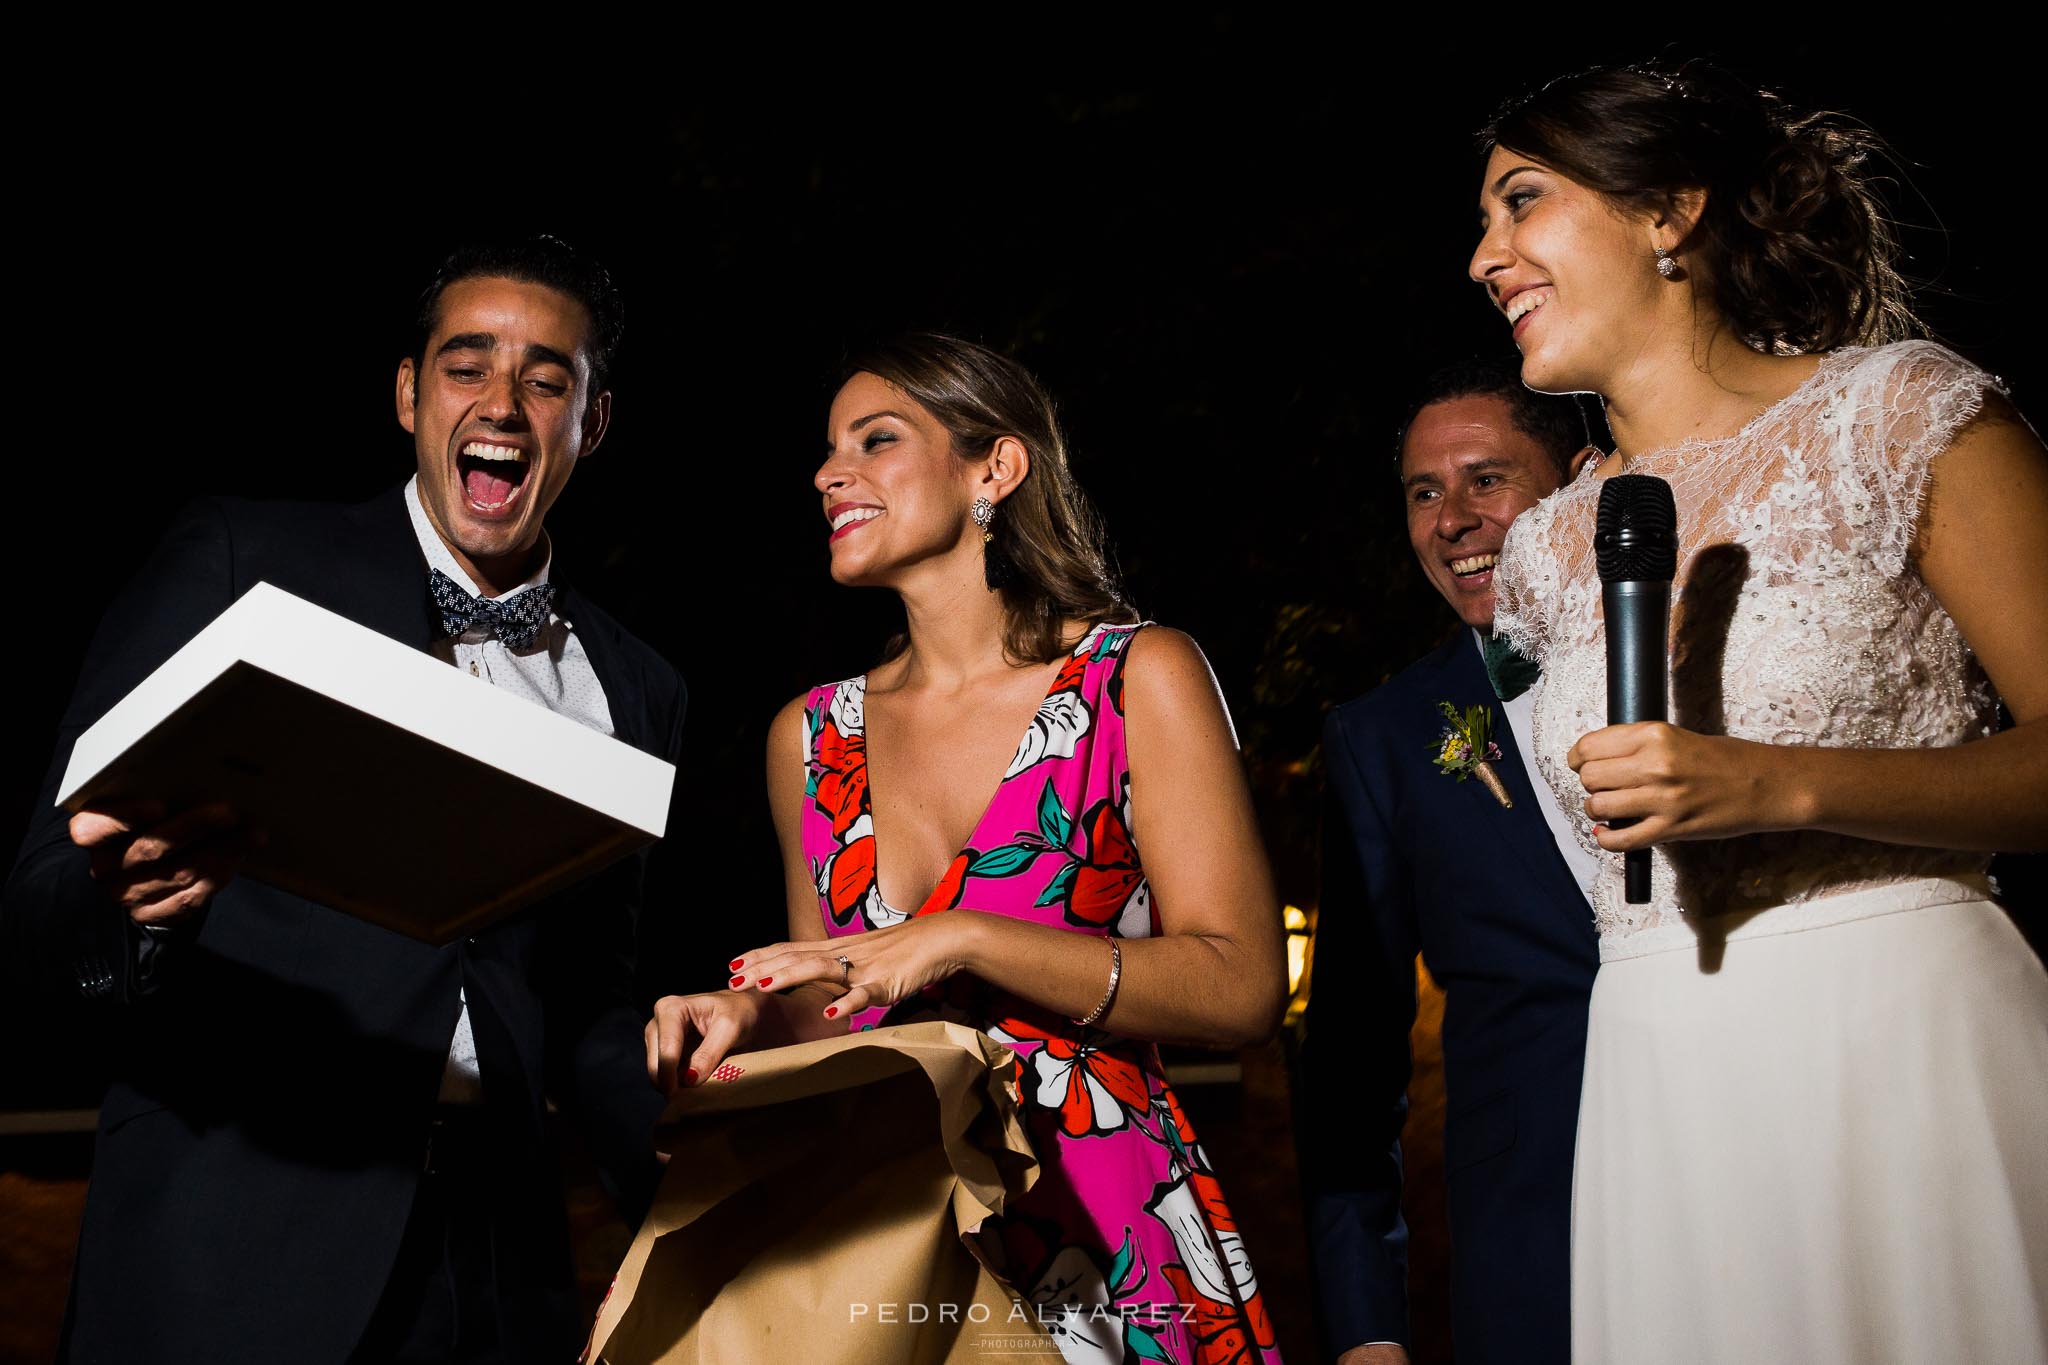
848,877
1223,1333
843,781
1095,1091
1214,1274
1179,1132
1016,1028
1069,679
1209,1194
1099,888
946,894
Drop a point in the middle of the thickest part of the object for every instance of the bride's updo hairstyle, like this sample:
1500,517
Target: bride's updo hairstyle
1793,246
1048,557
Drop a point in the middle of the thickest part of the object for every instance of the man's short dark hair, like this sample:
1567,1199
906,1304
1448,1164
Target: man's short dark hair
542,260
1553,421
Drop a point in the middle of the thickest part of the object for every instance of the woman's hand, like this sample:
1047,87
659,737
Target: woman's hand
1679,785
886,965
706,1027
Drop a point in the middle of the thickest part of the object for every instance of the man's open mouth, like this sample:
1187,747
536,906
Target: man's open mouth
1474,566
492,475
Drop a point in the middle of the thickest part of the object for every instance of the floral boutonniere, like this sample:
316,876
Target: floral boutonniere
1466,748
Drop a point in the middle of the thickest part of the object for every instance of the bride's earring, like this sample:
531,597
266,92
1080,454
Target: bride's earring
983,512
1666,267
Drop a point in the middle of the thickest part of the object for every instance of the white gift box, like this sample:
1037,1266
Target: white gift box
390,785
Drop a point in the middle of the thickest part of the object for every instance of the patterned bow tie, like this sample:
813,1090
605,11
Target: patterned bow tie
515,619
1511,673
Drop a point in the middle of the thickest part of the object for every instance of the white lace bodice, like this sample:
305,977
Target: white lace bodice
1798,617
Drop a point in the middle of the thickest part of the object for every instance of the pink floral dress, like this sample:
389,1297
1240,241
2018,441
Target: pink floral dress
1124,1245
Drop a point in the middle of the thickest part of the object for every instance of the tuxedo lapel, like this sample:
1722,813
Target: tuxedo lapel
384,585
1464,682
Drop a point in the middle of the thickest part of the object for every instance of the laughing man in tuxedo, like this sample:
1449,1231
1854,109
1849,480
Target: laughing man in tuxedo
325,1142
1491,895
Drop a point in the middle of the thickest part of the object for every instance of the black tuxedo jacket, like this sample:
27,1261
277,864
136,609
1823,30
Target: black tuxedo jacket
260,1146
1415,860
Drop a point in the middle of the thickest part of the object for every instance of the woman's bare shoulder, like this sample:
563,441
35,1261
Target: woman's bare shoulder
788,736
1166,672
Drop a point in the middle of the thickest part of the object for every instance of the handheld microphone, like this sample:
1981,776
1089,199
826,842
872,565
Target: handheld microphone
1635,541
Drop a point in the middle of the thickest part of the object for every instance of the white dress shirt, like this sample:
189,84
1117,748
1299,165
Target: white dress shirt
1521,720
553,671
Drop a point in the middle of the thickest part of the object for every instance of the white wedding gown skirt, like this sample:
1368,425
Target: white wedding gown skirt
1831,1148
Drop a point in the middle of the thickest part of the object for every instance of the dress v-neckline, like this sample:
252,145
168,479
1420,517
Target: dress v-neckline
1051,689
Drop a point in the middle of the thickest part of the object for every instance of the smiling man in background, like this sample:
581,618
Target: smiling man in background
1490,894
326,1142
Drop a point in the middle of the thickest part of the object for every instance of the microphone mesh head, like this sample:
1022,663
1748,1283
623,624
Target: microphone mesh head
1636,536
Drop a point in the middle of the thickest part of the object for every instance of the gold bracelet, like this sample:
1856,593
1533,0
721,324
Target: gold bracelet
1116,973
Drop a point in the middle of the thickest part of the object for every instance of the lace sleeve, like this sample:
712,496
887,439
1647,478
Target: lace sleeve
1915,399
1525,583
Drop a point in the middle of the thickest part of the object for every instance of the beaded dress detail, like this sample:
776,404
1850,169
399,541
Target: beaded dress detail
1798,617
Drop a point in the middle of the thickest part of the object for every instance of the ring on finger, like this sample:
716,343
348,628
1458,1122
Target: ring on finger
845,968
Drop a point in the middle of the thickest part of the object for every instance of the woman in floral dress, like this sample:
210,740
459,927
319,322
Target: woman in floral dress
1025,734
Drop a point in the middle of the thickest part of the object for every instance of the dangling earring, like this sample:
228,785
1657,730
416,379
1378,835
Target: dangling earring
995,566
1666,267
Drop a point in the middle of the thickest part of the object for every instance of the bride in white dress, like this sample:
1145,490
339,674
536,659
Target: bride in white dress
1815,1116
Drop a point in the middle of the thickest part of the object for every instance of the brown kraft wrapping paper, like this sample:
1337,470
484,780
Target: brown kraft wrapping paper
814,1209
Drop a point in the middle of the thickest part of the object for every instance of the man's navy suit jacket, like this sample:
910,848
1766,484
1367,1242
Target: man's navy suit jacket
262,1140
1415,860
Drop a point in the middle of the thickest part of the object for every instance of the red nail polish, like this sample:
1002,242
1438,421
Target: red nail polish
737,963
832,1012
767,981
739,981
691,1075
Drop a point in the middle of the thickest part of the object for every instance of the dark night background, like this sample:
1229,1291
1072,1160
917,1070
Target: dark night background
1228,267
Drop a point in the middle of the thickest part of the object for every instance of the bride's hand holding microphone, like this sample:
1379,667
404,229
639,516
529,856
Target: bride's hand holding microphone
1670,784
